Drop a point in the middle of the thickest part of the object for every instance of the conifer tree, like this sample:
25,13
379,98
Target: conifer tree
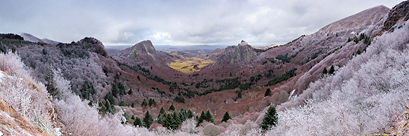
147,120
152,102
130,91
324,71
270,118
171,108
137,122
226,117
133,117
170,122
331,70
162,111
190,114
161,118
201,118
239,95
176,118
268,92
209,116
144,103
182,114
109,97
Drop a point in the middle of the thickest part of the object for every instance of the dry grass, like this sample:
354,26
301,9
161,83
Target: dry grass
187,65
12,123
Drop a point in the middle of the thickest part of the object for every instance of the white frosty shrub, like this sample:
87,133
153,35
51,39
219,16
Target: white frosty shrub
364,97
24,94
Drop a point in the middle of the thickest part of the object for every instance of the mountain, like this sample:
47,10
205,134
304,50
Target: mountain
31,38
242,53
348,78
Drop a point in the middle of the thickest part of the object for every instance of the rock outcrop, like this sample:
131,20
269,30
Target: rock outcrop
143,48
242,53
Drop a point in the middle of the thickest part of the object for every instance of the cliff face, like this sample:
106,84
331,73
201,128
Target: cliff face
141,49
397,16
242,53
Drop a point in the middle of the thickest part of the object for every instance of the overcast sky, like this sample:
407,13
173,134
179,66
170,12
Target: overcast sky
176,22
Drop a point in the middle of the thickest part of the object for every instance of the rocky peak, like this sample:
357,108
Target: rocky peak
96,45
143,48
397,16
242,53
243,43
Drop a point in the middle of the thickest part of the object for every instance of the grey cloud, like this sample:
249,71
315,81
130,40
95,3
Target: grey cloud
221,22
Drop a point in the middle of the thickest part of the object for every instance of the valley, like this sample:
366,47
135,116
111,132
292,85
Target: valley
347,78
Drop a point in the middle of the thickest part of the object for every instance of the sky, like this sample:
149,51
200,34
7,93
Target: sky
176,22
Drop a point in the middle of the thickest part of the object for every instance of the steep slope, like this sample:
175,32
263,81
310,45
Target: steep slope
145,58
25,107
31,38
242,53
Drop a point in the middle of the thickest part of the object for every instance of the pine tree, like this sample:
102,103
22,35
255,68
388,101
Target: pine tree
324,71
171,108
133,117
109,108
137,122
182,114
170,122
152,102
109,97
122,103
239,95
161,118
331,70
201,118
268,92
162,111
209,116
147,120
176,118
49,78
144,103
130,91
226,117
132,105
115,90
190,114
270,118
